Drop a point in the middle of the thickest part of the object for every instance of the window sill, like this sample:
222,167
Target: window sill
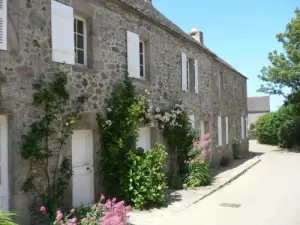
141,79
81,68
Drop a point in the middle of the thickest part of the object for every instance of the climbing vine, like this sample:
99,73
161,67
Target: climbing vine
43,145
177,130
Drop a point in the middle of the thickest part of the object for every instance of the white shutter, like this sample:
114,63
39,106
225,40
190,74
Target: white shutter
3,25
144,140
220,130
247,128
243,127
62,20
4,188
133,54
196,77
183,72
226,124
202,128
192,120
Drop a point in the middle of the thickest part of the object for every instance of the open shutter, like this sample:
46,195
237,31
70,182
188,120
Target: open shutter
196,77
202,128
226,127
183,72
220,130
62,24
133,54
3,25
242,127
4,188
247,128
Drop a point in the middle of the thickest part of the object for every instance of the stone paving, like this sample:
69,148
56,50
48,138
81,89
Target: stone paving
182,199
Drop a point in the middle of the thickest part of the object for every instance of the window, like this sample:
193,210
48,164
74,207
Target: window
80,38
142,59
192,120
3,25
219,130
204,127
144,139
188,74
242,127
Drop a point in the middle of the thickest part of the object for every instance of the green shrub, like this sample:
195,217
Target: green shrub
267,126
199,173
289,133
236,148
144,183
252,126
225,161
6,218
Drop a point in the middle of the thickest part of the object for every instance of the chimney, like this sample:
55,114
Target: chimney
197,35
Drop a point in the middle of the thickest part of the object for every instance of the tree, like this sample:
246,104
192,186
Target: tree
284,71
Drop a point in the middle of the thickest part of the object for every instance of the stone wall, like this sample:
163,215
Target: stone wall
29,55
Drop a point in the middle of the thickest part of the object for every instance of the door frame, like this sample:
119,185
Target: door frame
88,134
4,145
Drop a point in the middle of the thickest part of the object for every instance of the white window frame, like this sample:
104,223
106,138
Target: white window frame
188,61
192,120
76,17
144,58
220,131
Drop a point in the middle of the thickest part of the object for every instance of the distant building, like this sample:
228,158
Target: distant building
257,107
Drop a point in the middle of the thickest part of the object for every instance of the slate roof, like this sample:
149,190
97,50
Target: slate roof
258,104
148,10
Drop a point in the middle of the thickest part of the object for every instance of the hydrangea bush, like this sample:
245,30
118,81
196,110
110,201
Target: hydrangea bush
106,212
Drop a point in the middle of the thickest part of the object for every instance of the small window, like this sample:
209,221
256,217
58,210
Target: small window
142,60
80,37
188,74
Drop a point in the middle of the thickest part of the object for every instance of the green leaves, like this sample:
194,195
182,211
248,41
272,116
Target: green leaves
284,71
144,180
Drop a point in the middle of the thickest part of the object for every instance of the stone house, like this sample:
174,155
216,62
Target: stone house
257,107
112,37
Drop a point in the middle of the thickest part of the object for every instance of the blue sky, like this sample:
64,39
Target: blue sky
242,32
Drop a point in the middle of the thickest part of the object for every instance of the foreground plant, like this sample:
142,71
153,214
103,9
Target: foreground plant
44,143
198,168
106,212
6,218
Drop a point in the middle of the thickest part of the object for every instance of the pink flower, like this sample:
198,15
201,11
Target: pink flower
73,220
59,216
73,211
43,209
83,220
102,198
114,200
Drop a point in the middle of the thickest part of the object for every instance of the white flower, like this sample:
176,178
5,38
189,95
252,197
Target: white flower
162,126
157,109
148,110
108,109
108,122
157,116
151,124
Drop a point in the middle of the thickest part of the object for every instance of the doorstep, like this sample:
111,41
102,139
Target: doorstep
186,198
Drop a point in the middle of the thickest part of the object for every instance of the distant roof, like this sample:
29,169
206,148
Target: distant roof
259,104
148,10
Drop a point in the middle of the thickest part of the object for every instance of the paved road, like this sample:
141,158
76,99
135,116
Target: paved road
268,194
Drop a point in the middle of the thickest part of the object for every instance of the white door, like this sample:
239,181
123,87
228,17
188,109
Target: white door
143,140
82,162
3,164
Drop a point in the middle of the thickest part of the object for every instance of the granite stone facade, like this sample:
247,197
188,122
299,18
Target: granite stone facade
29,54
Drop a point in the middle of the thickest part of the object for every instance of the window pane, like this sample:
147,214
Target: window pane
141,47
75,40
80,42
141,59
141,71
80,26
75,22
80,56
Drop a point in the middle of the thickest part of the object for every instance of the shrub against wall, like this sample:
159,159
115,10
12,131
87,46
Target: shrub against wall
289,133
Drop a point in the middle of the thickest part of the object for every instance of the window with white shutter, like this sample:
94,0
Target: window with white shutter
196,77
220,130
226,127
192,120
242,127
3,25
62,24
133,54
80,37
184,73
247,128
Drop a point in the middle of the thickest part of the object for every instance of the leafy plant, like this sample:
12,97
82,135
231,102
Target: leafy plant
288,134
44,143
6,218
175,123
119,132
197,166
252,126
225,161
145,180
236,148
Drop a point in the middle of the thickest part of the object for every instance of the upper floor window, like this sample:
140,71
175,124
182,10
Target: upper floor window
189,73
142,59
80,39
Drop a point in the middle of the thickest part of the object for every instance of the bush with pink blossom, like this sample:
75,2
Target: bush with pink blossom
105,212
197,166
